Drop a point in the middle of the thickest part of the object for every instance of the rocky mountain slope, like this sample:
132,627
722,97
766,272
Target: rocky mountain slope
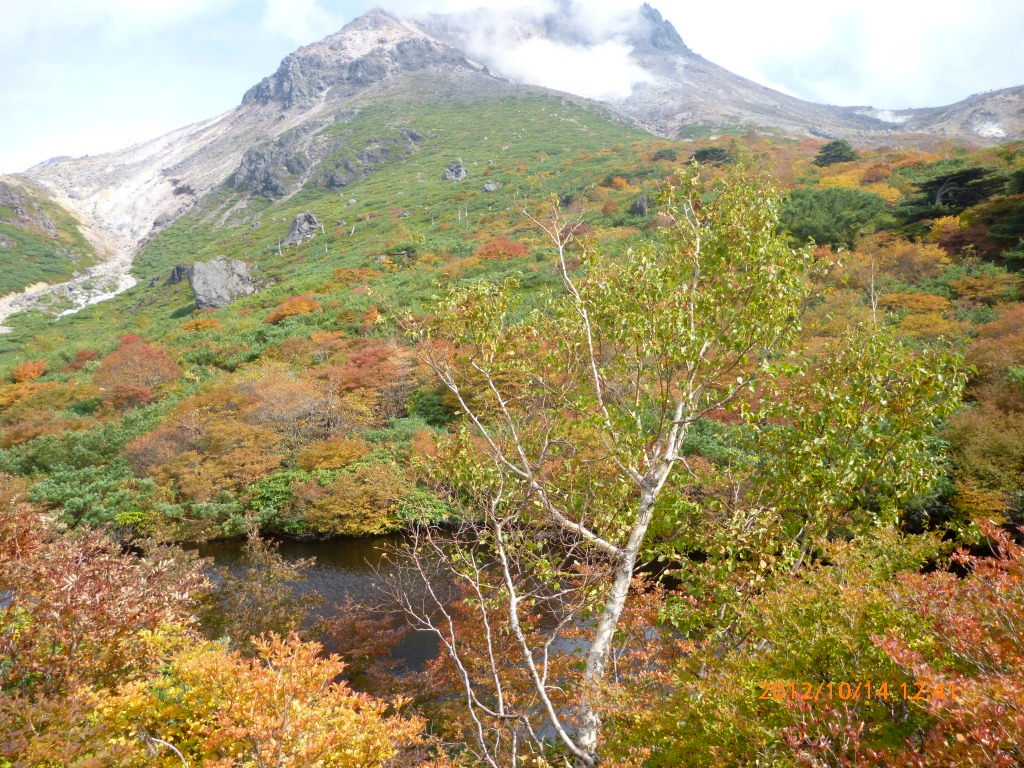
680,90
274,142
124,197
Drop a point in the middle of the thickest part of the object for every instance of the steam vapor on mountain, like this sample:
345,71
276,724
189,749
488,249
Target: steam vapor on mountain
561,44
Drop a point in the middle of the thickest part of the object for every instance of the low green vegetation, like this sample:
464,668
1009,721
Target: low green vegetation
39,240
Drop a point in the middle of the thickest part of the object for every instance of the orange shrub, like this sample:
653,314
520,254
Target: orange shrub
370,319
1000,344
296,305
619,183
132,372
28,371
930,326
345,276
501,248
876,173
985,289
201,324
357,503
903,258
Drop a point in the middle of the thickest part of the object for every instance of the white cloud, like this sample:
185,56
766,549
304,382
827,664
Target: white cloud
510,39
887,53
303,21
603,71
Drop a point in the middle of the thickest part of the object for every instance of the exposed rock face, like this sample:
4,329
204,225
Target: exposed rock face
259,173
303,228
219,282
368,50
455,172
654,31
264,170
178,273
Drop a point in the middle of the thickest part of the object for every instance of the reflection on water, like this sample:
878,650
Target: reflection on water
344,567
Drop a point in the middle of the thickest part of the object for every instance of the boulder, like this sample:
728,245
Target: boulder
336,181
492,186
303,228
641,206
178,274
163,220
219,282
455,172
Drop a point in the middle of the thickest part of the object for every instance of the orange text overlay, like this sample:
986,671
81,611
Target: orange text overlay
855,691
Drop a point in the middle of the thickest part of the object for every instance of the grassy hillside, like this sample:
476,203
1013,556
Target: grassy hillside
39,240
322,335
302,410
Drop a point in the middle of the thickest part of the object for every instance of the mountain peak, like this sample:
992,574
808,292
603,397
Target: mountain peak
655,31
370,48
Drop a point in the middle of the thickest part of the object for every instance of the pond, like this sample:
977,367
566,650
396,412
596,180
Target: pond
344,567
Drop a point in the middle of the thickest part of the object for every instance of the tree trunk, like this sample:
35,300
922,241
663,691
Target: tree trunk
589,730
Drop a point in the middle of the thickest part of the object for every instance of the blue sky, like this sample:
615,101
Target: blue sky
87,76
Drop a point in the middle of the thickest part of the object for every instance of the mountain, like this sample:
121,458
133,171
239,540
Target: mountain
677,91
270,143
279,139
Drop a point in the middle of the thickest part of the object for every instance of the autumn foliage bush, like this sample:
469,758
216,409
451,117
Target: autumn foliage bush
74,624
361,502
282,708
101,665
28,371
502,248
81,359
132,374
976,625
291,307
201,324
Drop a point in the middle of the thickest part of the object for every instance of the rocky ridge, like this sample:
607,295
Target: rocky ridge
682,89
273,142
123,198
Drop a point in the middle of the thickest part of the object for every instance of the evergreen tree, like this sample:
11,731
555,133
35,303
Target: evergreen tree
838,151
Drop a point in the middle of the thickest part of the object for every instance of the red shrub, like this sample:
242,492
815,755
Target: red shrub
131,374
82,357
501,248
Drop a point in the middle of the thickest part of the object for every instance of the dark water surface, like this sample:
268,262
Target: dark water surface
344,567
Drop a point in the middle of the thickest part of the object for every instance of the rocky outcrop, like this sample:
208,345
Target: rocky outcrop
368,50
219,282
179,273
492,186
455,172
641,206
263,170
303,228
